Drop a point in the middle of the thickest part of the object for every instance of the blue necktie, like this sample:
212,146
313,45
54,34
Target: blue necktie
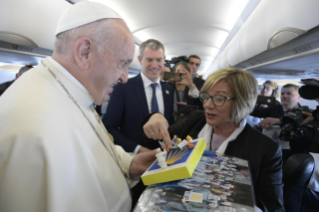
154,105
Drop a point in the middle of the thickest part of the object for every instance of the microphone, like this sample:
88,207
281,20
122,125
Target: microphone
309,92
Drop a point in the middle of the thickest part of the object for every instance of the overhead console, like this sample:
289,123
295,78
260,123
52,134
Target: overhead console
21,55
286,56
276,30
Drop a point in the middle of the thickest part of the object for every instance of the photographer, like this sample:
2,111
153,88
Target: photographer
186,95
290,102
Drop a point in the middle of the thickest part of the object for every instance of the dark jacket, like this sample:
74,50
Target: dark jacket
127,108
276,111
4,86
263,154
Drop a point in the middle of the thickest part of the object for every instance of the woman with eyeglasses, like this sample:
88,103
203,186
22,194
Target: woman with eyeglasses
228,96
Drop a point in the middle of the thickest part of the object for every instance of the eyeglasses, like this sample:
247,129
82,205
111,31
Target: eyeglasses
217,100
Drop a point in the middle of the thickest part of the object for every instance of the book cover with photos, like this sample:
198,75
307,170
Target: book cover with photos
219,183
181,164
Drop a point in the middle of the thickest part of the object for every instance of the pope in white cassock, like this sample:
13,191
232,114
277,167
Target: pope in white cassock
55,155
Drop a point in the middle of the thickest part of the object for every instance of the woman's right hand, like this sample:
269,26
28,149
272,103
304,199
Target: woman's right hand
156,128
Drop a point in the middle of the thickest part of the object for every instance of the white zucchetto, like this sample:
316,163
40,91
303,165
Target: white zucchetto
82,13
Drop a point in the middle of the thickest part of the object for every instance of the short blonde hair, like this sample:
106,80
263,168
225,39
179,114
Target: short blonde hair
244,87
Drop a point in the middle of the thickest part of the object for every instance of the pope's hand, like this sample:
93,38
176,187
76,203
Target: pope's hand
142,161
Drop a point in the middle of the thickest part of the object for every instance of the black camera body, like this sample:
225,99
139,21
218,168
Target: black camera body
290,123
302,138
174,60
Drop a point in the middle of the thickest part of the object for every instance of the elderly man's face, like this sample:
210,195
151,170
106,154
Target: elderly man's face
112,66
289,97
152,63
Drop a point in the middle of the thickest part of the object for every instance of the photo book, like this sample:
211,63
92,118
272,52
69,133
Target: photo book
219,183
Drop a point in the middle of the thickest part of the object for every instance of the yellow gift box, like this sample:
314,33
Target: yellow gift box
183,165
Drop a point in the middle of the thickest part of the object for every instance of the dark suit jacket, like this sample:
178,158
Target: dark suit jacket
127,108
4,86
198,82
263,154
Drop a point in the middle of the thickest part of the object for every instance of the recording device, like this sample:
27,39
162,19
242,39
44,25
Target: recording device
302,138
291,121
266,100
310,82
172,77
174,60
309,92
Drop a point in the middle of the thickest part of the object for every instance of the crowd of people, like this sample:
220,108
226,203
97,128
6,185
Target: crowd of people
57,155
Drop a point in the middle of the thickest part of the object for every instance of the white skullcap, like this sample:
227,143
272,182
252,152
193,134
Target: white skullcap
82,13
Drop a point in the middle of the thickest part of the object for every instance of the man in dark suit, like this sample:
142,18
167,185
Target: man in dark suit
132,101
194,62
4,86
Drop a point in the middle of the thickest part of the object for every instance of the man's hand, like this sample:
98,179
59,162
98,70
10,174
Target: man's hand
268,122
308,119
142,161
156,128
143,149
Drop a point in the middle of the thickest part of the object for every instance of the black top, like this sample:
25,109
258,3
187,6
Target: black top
276,111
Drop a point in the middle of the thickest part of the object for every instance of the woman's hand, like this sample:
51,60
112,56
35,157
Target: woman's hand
157,129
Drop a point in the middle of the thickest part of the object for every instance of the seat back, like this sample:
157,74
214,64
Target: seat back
296,175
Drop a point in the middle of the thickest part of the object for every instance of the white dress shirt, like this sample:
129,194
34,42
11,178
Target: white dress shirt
149,93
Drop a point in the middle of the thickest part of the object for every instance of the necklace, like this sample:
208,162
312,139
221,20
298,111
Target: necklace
112,152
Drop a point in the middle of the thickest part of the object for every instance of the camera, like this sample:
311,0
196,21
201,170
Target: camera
172,77
302,138
170,63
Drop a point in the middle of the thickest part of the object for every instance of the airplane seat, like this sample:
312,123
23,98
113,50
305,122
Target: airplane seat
299,195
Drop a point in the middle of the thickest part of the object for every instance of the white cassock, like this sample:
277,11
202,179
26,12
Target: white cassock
50,157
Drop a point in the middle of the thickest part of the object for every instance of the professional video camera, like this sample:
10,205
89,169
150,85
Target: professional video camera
302,138
174,60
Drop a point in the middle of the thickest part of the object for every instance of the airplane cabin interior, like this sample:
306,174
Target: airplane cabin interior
276,40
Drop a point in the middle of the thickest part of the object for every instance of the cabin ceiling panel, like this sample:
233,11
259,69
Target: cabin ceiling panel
140,14
185,34
35,19
179,49
205,23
